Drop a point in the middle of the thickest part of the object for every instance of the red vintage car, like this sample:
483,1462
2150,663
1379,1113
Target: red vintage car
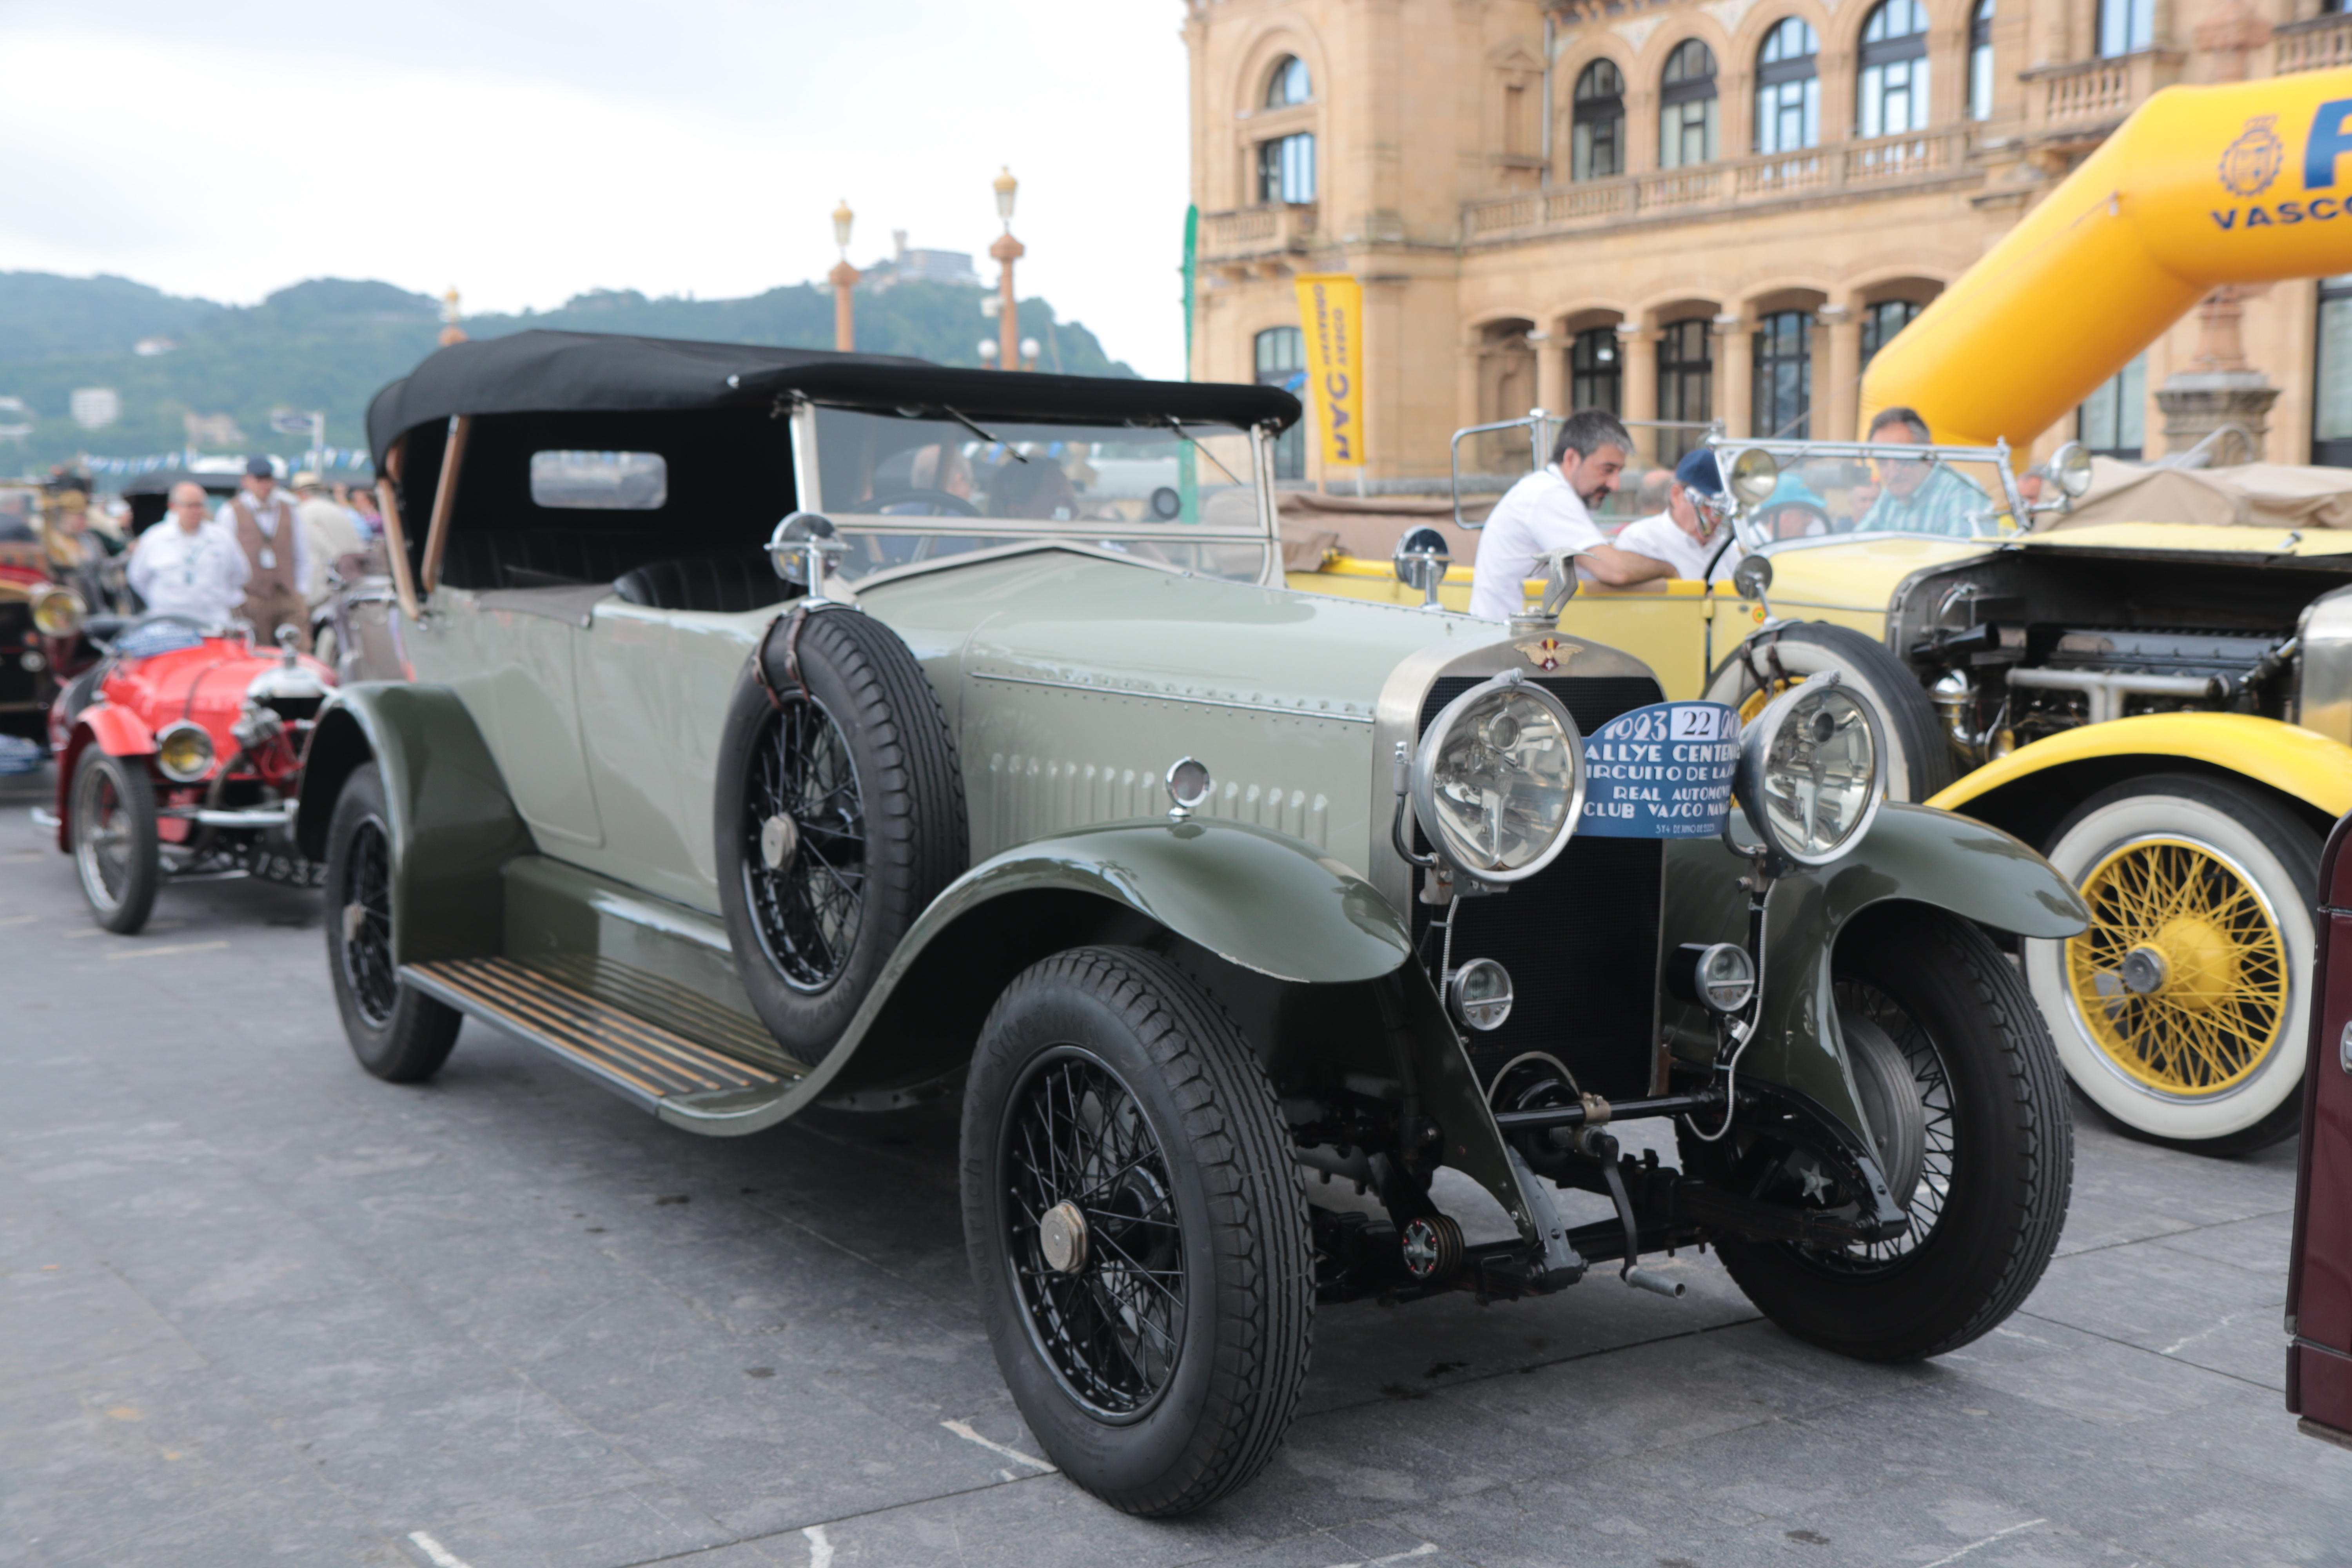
178,754
2319,1276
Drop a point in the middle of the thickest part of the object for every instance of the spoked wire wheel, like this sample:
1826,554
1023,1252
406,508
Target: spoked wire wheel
364,905
2181,981
1907,1092
1093,1238
804,846
102,837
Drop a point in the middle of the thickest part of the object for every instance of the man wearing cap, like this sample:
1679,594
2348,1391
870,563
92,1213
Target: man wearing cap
328,532
1689,534
188,564
264,526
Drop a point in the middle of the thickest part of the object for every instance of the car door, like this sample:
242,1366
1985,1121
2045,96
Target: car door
2319,1275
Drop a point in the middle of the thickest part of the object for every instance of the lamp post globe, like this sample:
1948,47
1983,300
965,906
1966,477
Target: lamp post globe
1005,252
844,278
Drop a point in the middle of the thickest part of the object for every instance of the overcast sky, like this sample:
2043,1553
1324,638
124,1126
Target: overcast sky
527,151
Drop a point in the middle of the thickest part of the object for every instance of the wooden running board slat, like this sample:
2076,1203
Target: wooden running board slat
642,1059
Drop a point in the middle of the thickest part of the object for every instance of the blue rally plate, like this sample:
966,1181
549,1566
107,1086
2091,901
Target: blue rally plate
1661,771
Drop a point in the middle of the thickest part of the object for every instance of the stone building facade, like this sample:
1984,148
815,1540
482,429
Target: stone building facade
1703,209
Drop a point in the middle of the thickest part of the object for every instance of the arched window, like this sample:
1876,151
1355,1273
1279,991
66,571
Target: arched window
1783,403
1595,374
1788,89
1686,107
1685,386
2125,25
1289,83
1597,125
1881,321
1282,362
1980,62
1895,70
2112,421
1285,168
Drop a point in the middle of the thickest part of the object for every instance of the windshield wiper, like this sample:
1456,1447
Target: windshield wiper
983,435
1174,424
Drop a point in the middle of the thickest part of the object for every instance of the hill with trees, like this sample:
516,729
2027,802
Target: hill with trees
330,343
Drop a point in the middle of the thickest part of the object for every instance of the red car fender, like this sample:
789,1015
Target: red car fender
114,731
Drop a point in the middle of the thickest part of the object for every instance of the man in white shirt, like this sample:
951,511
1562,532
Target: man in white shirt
1548,511
188,566
1691,532
329,533
277,558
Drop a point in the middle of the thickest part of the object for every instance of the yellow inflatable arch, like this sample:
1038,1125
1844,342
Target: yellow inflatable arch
2203,185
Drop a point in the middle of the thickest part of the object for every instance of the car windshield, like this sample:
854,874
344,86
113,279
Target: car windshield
1802,490
922,483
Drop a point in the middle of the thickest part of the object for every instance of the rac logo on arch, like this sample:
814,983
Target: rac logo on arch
2254,161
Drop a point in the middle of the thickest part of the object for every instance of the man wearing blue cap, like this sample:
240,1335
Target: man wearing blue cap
1690,535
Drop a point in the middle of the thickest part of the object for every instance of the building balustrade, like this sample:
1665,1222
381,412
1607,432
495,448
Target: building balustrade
1247,232
2095,95
2319,43
1706,188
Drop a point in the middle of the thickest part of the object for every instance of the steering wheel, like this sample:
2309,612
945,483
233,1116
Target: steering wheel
923,503
1807,517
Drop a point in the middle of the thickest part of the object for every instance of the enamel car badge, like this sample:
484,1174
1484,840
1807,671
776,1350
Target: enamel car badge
1548,653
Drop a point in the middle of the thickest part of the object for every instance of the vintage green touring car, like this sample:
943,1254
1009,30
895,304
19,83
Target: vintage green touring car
1006,767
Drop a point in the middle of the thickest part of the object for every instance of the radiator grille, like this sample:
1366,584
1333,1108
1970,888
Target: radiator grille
1580,939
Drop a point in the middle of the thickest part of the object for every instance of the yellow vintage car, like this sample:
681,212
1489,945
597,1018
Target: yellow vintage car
2163,708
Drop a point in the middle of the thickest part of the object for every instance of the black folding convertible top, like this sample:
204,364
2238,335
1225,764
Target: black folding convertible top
549,372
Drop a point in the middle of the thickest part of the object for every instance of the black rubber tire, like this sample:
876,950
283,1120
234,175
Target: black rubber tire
398,1034
1920,761
124,909
1245,1243
2012,1160
2281,855
909,786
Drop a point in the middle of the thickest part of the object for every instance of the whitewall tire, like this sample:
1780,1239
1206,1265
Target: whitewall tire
2181,1012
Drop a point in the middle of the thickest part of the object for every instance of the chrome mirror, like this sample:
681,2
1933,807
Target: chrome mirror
1421,559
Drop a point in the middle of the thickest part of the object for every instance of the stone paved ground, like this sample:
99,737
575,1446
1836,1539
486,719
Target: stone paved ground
257,1307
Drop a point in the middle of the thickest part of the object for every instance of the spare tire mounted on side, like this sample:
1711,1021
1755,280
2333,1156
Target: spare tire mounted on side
839,818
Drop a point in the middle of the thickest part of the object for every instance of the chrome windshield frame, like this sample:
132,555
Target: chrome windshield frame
1729,450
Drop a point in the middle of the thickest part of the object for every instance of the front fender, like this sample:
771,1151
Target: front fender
2308,766
451,827
116,732
1326,976
1913,853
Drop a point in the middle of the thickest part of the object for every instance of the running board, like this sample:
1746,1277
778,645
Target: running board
642,1061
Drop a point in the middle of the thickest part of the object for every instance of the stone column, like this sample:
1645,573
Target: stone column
1637,364
1551,370
2221,389
1735,372
1837,394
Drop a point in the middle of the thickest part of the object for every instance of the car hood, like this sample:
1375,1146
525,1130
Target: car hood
1859,576
1065,619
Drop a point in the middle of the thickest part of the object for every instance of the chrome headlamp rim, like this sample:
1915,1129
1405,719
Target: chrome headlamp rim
1423,784
1756,742
58,611
163,744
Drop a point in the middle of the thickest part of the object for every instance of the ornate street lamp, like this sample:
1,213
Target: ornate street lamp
844,278
1007,250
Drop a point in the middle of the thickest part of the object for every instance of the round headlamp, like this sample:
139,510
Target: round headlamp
1809,770
1480,992
1719,976
1498,779
58,611
1755,475
185,752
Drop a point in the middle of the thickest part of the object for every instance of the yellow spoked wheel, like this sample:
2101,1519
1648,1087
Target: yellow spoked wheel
2182,978
1762,696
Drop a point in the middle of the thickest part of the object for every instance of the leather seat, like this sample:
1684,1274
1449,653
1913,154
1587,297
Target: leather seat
727,585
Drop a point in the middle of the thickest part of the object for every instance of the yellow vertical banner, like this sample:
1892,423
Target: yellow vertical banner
1331,312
